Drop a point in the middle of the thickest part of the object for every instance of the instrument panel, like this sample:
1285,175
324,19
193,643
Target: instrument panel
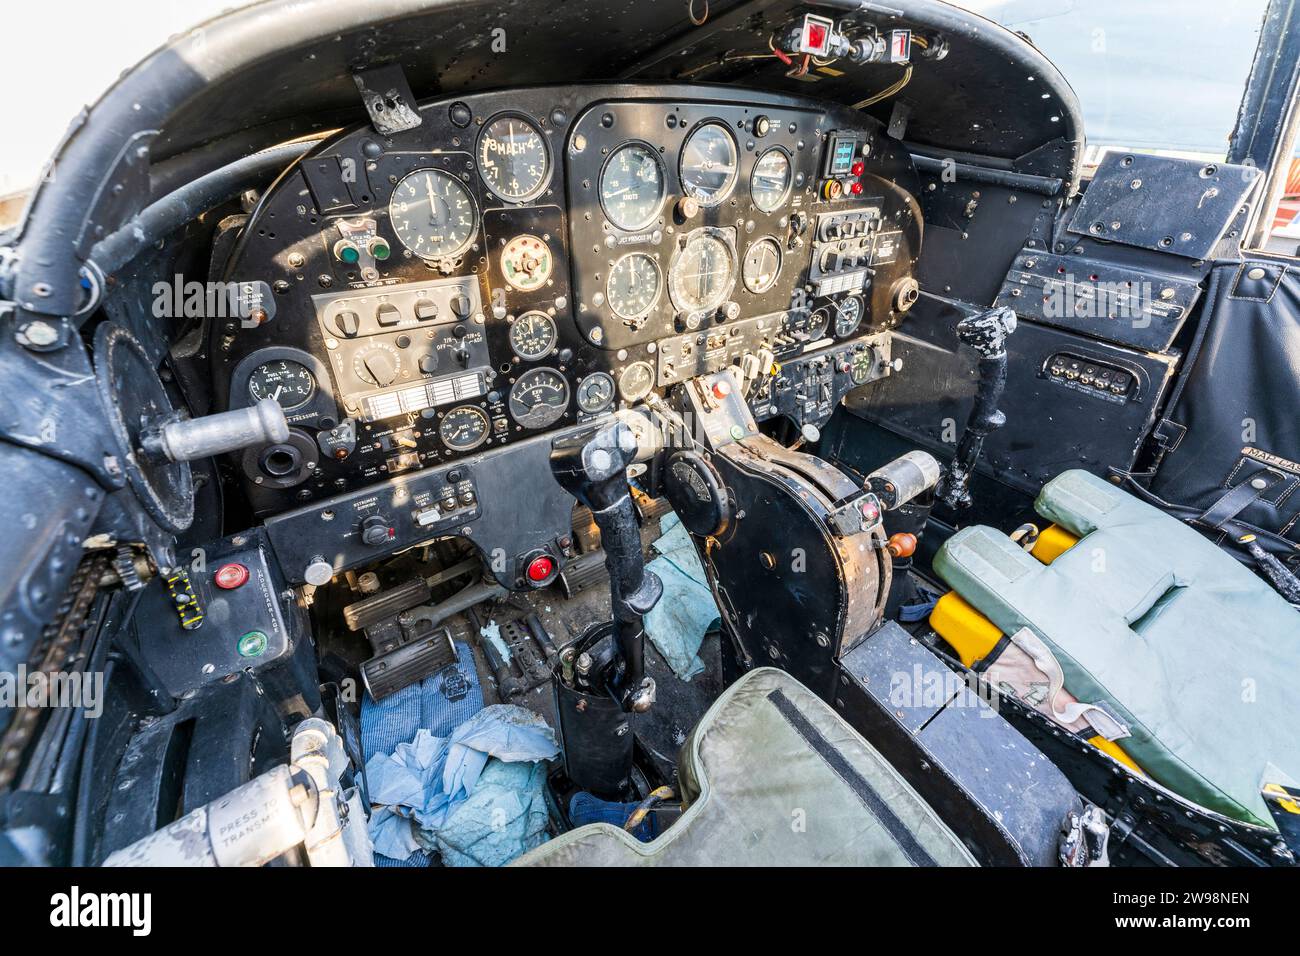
524,260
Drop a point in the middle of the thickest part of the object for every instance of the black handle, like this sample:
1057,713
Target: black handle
592,466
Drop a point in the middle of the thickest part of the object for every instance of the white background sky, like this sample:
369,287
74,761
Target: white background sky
1148,72
70,51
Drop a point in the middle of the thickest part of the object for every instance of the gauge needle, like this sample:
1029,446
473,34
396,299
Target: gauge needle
433,200
276,394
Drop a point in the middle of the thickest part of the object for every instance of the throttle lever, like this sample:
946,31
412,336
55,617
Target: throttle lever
986,333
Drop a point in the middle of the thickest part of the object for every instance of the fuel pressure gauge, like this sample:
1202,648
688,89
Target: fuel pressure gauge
289,383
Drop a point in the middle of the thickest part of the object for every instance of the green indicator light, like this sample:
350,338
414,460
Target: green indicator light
379,249
349,254
737,432
252,644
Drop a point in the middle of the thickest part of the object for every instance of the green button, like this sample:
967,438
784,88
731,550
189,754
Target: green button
252,644
737,432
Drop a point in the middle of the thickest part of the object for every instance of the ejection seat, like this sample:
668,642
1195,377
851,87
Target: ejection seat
1130,629
772,776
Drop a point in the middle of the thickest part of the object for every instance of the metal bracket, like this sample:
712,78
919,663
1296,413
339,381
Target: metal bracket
388,99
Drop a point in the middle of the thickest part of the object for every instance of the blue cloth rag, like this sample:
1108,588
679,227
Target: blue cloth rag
439,704
421,786
503,817
677,624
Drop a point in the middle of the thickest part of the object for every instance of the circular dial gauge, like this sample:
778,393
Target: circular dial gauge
632,187
864,363
377,363
539,398
463,428
532,335
433,214
818,322
636,381
290,383
595,392
709,164
848,313
770,182
512,158
701,275
634,284
761,266
526,262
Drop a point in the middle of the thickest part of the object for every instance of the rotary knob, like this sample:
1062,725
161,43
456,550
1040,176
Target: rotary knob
376,531
378,365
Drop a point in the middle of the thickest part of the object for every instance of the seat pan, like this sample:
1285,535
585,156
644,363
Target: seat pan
774,777
1197,655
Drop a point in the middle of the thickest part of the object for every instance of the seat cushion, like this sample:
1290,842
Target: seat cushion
1197,655
774,776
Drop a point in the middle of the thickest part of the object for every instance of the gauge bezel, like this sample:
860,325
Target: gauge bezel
659,285
613,392
780,264
835,323
487,427
287,408
547,173
663,186
627,396
870,354
321,406
554,335
730,188
724,236
558,411
475,217
789,183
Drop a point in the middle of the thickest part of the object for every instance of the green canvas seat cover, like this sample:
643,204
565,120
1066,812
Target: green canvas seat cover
774,777
1198,656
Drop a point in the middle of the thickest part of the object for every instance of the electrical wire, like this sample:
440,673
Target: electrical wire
885,93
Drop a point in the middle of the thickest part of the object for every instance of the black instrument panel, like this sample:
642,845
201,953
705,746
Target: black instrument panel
516,263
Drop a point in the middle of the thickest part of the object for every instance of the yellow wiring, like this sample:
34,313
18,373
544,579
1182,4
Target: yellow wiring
886,93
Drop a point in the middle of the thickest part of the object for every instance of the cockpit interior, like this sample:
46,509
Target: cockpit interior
651,418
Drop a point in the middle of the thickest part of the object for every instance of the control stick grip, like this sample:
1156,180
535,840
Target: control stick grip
592,466
193,438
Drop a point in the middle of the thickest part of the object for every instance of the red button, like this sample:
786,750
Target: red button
859,168
231,576
856,189
540,568
721,388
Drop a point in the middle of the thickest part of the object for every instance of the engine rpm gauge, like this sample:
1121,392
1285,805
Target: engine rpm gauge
848,314
770,182
433,214
632,187
290,383
702,274
532,335
634,285
463,428
526,263
512,158
709,165
761,266
539,398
